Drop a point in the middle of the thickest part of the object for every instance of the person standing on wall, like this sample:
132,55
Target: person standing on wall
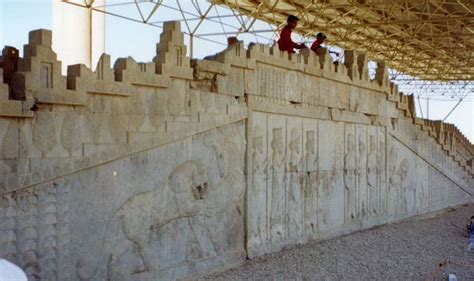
285,43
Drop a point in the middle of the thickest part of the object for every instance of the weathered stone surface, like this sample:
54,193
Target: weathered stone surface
165,169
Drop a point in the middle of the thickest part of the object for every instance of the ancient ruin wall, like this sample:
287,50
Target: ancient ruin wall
161,170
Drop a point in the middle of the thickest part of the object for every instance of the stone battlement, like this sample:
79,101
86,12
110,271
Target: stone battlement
253,144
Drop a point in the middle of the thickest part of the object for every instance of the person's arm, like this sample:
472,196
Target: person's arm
301,46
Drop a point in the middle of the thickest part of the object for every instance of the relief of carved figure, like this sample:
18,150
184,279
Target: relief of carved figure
392,180
402,175
278,169
362,203
295,203
392,168
372,163
419,196
259,189
350,196
259,159
372,176
311,183
223,148
327,184
158,228
228,197
381,178
423,196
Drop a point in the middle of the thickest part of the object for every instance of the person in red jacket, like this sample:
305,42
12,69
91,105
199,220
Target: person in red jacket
320,37
285,43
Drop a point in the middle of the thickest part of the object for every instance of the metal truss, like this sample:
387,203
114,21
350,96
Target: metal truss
428,44
196,16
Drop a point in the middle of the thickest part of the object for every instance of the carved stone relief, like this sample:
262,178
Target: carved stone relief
44,133
350,171
381,173
192,215
362,204
278,188
402,191
331,189
293,86
392,180
15,150
350,180
295,182
372,176
311,183
71,132
163,235
34,225
258,190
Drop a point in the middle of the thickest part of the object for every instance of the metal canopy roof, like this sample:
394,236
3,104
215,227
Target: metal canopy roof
428,39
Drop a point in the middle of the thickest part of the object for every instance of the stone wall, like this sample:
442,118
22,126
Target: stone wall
166,169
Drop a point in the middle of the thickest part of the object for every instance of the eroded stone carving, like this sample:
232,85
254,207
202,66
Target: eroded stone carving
14,149
372,176
311,183
259,188
71,133
361,173
278,192
33,226
44,133
163,235
381,176
295,185
350,192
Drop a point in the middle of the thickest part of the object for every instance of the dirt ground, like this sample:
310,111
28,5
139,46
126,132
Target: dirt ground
409,250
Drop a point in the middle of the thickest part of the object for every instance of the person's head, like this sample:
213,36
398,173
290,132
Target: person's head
292,21
232,40
321,36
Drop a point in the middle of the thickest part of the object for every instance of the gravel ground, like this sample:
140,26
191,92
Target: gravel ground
407,250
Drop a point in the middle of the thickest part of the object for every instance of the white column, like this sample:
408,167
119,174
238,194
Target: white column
78,33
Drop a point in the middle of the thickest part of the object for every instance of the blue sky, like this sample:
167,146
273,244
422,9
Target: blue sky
125,38
18,17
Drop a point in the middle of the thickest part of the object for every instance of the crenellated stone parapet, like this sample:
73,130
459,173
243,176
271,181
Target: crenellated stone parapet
164,169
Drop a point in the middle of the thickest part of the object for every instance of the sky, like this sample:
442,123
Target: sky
125,38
